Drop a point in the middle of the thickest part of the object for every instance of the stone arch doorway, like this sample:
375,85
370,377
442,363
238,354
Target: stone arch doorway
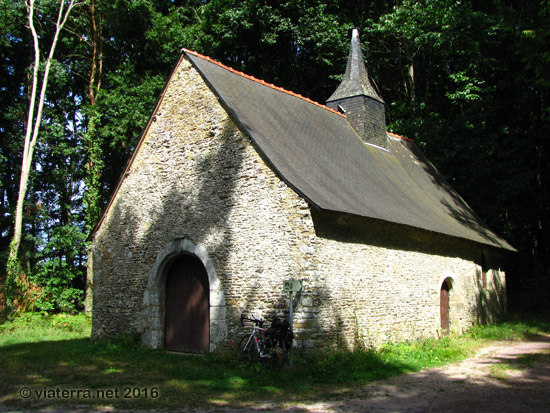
187,317
153,316
444,306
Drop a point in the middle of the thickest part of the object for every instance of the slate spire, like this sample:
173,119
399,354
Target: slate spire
363,107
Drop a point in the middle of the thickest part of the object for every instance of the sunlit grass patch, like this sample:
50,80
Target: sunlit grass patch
524,362
501,371
36,327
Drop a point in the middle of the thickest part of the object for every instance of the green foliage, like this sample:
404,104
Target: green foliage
57,275
40,326
467,88
534,38
517,328
92,198
247,35
469,81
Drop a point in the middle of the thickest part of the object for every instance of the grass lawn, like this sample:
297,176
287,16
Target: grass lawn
50,361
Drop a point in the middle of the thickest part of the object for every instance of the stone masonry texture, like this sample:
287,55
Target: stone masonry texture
198,186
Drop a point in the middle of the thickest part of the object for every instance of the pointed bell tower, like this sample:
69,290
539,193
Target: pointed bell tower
356,97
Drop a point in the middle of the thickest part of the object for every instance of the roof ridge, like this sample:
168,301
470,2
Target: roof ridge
260,81
395,135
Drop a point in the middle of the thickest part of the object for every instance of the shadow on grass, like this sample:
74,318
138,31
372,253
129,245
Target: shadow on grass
130,376
181,380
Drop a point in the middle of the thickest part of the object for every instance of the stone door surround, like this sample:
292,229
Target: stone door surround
154,298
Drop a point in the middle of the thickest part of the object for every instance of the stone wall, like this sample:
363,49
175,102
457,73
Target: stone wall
197,185
382,282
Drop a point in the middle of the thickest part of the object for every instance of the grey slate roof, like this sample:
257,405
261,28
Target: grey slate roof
356,79
316,152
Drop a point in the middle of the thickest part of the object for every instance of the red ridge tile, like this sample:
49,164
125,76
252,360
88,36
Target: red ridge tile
395,135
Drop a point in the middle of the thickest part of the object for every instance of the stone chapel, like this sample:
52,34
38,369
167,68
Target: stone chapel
236,186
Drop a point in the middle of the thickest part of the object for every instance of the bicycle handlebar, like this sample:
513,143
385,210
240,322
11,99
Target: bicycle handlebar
257,321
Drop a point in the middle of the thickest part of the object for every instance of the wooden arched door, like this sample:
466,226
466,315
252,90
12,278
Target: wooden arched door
187,321
444,307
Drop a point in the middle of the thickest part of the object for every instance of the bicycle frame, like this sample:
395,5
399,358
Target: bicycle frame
256,340
255,346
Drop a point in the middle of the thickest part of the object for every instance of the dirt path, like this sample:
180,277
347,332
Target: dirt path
502,377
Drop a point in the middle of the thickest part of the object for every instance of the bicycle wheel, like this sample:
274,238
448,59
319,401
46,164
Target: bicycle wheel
277,357
247,349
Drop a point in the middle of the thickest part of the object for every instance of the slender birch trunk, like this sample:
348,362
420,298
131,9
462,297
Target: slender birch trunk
34,116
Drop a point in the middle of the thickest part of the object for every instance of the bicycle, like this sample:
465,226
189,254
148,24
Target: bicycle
270,346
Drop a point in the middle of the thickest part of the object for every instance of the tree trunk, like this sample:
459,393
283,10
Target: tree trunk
411,83
34,120
92,147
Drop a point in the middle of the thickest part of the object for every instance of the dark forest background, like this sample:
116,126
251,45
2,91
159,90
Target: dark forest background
469,81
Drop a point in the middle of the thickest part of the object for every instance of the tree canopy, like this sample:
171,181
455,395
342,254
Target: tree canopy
469,81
